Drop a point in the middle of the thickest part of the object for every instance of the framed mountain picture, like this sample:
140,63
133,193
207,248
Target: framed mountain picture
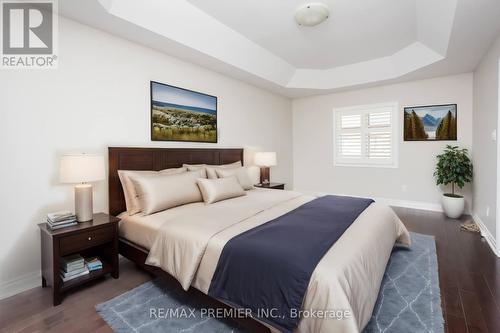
430,123
179,114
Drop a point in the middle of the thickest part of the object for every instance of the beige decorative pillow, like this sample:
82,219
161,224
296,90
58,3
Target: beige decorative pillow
131,200
214,190
210,169
240,173
173,171
160,192
194,167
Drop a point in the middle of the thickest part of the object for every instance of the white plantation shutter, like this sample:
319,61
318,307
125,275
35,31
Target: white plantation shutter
366,135
350,144
350,121
379,119
379,145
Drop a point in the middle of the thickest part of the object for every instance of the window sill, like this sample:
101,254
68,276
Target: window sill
353,165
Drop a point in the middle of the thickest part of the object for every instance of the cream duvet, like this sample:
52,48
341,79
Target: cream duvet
344,286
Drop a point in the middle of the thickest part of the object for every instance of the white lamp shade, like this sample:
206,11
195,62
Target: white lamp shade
265,159
81,168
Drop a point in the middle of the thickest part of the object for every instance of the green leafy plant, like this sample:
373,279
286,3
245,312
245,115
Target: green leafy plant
453,167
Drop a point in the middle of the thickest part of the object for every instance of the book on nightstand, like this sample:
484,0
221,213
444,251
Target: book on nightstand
61,225
60,220
73,266
60,216
83,272
93,264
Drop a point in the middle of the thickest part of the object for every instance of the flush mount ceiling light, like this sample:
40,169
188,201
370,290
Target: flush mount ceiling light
311,14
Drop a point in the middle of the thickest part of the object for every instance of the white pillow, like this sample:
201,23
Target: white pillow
157,193
210,169
214,190
131,200
240,173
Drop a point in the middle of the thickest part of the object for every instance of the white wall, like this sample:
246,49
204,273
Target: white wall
413,180
99,97
486,104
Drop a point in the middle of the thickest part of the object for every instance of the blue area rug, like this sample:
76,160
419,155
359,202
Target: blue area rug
409,301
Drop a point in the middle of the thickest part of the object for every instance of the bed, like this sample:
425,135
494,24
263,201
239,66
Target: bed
187,241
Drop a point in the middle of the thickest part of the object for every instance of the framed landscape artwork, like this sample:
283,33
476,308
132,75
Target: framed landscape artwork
179,114
430,123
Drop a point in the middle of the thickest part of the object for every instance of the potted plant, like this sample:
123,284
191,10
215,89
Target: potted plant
453,167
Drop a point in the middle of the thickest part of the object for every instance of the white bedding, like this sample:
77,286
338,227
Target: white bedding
187,241
142,229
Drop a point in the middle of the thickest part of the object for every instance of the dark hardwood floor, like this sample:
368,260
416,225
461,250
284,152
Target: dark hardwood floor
469,276
469,272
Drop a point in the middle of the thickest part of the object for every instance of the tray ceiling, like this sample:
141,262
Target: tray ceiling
364,42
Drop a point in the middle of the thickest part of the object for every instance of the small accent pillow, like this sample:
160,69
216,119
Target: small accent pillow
131,200
157,193
210,169
214,190
240,173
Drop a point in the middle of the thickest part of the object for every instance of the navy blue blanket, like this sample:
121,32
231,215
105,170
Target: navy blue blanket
267,269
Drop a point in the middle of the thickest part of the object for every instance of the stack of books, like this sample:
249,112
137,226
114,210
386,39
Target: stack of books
93,264
73,266
60,220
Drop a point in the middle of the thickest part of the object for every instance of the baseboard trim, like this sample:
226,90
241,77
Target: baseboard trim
486,234
22,283
421,205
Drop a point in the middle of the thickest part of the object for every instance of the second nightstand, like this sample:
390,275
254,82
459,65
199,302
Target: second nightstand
276,186
98,237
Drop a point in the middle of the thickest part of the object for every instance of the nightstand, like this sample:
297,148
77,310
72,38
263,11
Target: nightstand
98,237
276,186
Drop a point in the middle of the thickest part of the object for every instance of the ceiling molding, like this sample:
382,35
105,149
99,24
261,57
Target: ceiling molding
435,22
184,23
406,60
181,29
180,21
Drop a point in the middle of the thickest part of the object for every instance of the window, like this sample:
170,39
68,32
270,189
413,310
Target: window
366,135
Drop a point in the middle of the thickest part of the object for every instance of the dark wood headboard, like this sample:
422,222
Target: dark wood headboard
123,158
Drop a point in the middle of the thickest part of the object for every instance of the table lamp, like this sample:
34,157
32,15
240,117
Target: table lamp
265,160
82,169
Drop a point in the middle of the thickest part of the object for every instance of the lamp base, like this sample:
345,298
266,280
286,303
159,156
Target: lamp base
264,175
83,203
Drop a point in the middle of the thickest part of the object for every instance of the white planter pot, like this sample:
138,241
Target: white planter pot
453,206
